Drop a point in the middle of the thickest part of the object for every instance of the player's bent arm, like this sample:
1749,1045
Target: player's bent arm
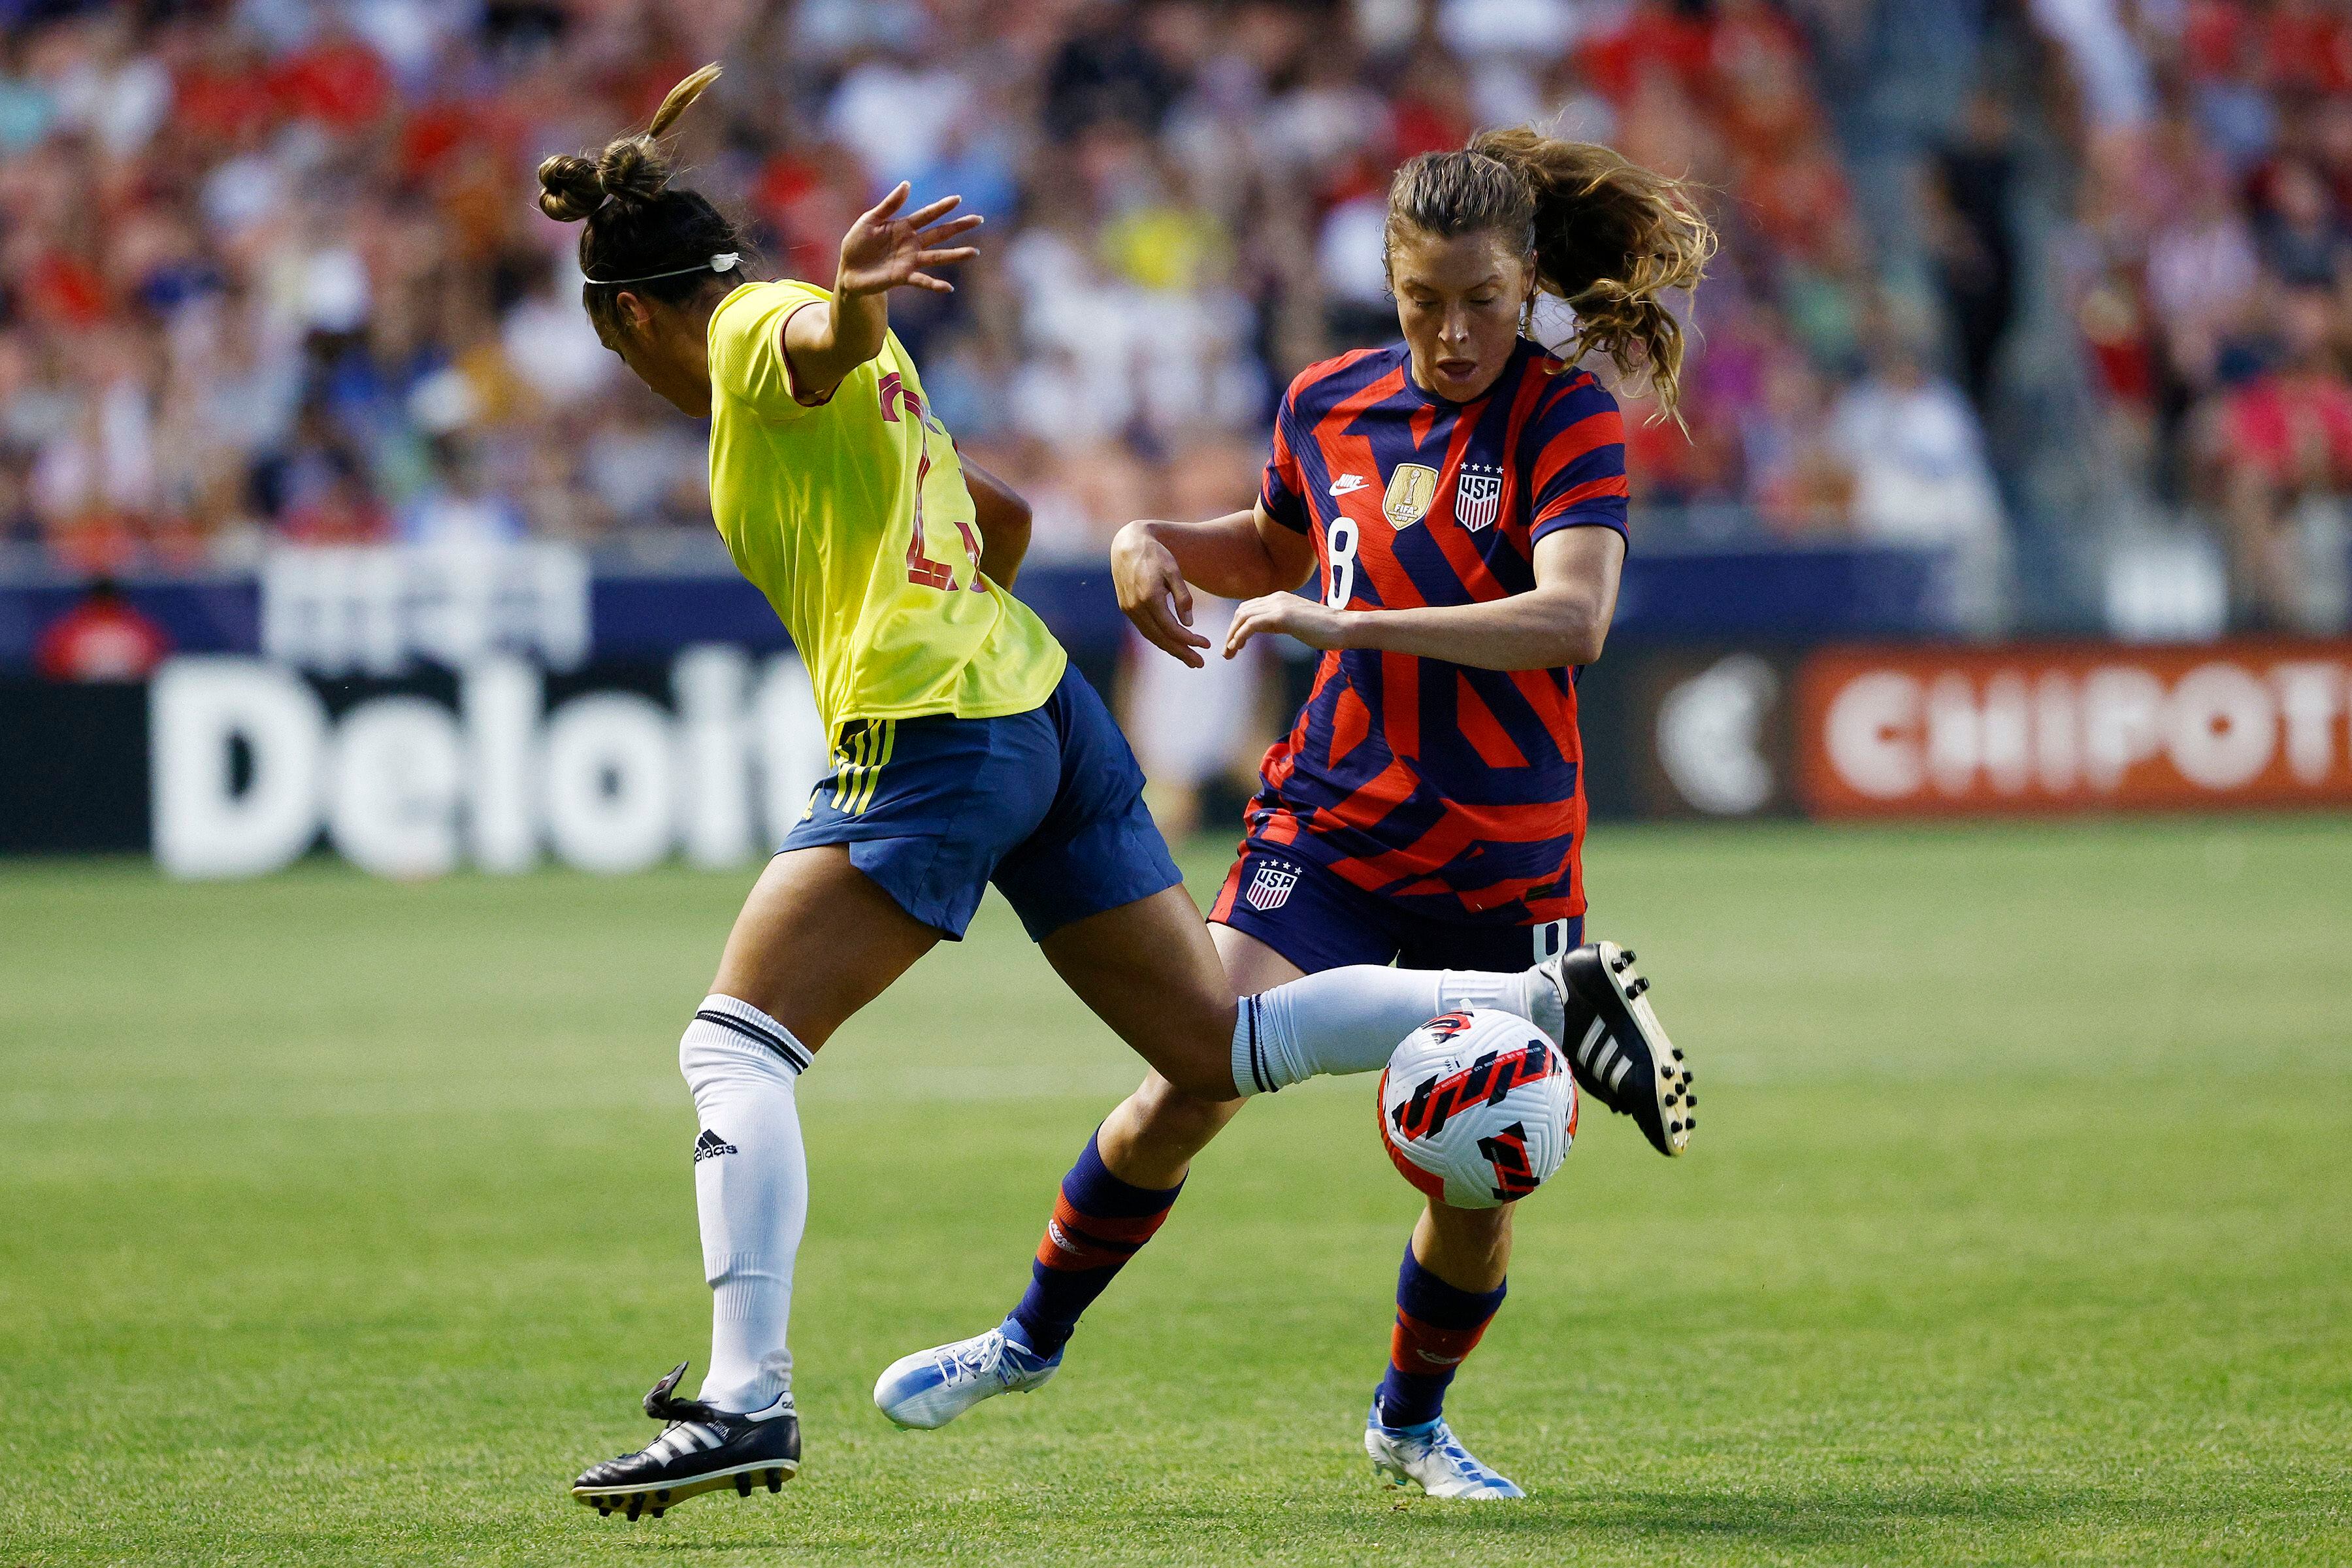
1003,519
825,340
1238,555
1562,621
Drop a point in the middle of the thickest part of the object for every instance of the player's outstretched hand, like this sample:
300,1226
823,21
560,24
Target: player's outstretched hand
1153,593
1305,619
883,250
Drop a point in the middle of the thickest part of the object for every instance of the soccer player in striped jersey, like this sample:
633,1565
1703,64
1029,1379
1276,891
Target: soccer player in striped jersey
965,752
1460,500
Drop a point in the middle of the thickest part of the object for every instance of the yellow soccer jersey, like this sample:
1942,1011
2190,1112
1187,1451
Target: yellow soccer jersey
852,517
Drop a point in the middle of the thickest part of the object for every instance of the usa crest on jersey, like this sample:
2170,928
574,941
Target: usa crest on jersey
1477,495
1270,885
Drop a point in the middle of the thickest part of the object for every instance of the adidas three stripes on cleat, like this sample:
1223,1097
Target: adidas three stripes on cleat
701,1449
1616,1046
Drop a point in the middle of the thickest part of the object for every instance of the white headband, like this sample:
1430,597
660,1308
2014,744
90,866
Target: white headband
722,262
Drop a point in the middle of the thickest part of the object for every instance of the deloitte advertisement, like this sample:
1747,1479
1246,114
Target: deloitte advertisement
233,766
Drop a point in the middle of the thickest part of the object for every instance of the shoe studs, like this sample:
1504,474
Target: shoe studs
775,1480
743,1484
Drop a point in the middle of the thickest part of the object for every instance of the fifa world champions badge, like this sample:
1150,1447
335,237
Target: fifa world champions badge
1477,495
1412,487
1270,885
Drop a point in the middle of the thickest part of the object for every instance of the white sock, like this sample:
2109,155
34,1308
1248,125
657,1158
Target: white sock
1353,1019
750,1186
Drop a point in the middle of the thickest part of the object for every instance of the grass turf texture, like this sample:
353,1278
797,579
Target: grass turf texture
345,1221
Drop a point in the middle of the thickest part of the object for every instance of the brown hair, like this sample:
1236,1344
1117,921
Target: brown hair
659,241
1609,237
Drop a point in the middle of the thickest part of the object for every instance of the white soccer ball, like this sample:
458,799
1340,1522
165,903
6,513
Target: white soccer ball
1477,1109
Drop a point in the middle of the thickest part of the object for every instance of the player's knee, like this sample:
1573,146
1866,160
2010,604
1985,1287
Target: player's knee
1196,1046
1168,1113
1193,1084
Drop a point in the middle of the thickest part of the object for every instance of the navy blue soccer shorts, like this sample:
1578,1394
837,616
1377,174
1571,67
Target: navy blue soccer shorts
1048,805
1321,921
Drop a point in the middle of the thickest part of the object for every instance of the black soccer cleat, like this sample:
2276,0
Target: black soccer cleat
1616,1046
701,1449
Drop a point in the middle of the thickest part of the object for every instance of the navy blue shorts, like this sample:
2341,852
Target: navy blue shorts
1321,921
1048,805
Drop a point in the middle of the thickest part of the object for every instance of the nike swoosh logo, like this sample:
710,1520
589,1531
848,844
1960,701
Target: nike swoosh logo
1347,485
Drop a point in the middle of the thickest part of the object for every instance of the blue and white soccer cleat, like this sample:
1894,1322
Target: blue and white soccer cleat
1430,1454
932,1387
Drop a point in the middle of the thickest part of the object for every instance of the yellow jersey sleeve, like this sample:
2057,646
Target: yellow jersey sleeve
853,517
747,349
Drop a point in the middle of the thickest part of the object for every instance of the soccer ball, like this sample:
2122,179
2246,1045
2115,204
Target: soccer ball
1477,1109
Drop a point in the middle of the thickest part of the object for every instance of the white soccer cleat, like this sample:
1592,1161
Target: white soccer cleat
932,1387
1433,1457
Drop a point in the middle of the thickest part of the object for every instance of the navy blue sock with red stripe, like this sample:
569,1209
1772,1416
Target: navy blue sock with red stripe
1099,1222
1437,1325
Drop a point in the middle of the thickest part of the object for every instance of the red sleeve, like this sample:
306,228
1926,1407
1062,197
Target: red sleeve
1578,462
1283,491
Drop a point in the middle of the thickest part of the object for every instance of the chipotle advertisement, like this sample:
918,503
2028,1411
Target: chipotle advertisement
1914,732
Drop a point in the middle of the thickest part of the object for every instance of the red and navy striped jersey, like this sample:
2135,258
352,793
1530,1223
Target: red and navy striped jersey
1456,790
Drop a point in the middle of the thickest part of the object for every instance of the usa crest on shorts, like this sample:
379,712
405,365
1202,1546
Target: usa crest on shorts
1270,885
1477,495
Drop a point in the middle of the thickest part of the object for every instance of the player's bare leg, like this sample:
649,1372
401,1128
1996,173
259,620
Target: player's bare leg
1121,964
1148,969
1152,972
816,940
815,943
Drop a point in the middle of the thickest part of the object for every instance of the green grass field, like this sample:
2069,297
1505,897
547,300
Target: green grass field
345,1221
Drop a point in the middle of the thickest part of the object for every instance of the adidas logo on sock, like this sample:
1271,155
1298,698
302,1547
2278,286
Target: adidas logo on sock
710,1146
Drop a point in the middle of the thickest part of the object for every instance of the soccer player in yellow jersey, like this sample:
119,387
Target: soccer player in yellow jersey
965,752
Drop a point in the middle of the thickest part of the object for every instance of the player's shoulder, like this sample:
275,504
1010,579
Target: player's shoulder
751,309
1325,381
1566,393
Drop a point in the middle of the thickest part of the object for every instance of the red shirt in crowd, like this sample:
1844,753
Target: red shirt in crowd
2292,428
103,638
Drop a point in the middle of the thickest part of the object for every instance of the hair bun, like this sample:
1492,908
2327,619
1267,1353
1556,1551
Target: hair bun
569,188
633,169
630,169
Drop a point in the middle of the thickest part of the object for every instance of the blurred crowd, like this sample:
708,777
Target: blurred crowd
270,269
2211,277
